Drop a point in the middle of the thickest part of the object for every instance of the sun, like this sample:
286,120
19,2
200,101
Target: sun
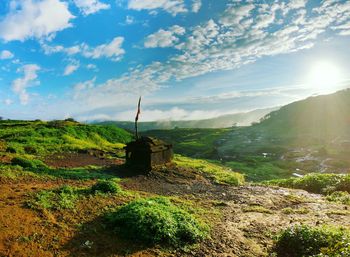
324,75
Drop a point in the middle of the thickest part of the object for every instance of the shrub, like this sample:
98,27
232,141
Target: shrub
316,183
157,221
339,197
299,241
30,164
106,186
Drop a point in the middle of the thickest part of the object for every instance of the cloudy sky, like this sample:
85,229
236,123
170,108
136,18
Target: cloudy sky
189,59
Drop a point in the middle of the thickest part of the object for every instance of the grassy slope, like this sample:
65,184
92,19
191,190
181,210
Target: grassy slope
39,137
83,206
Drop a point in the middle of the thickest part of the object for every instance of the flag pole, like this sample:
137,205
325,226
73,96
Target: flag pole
137,118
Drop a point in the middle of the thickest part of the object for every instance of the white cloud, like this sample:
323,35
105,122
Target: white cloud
196,5
173,7
20,85
92,66
237,38
8,101
112,50
35,19
233,15
164,38
90,6
296,4
129,20
5,54
72,67
81,86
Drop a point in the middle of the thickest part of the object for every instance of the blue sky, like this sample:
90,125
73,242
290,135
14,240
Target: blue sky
189,59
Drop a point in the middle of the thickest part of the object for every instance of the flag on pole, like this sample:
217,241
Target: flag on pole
138,110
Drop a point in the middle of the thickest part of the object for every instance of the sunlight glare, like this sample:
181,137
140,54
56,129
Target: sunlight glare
324,75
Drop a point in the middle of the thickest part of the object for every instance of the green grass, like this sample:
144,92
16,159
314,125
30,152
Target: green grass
57,199
257,208
15,172
42,138
66,196
257,169
305,241
157,221
316,183
220,174
198,143
339,197
106,186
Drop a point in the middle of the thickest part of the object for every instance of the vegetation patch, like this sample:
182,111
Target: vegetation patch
218,173
29,164
300,241
316,183
339,197
257,208
106,186
290,210
158,221
57,199
66,196
42,138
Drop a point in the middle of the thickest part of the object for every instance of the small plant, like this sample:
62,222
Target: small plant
300,241
257,208
157,221
339,197
61,198
289,210
106,186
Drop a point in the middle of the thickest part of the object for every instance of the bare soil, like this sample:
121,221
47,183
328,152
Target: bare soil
72,160
250,215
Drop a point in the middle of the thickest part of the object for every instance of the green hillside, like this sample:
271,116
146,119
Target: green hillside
40,137
311,135
323,117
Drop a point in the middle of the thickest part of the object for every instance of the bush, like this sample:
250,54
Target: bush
106,186
339,197
316,183
157,221
29,164
305,241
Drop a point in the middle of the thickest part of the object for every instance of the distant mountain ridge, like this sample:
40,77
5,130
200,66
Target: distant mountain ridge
224,121
323,117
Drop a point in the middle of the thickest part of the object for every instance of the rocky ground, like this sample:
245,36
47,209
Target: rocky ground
245,219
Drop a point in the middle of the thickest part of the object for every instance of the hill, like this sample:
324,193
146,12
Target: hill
306,136
224,121
324,118
41,137
66,191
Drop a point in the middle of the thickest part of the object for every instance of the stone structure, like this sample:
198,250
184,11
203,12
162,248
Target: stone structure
147,152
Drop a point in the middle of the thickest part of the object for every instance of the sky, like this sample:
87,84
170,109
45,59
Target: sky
188,59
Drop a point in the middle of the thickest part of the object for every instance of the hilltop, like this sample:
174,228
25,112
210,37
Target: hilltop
65,191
